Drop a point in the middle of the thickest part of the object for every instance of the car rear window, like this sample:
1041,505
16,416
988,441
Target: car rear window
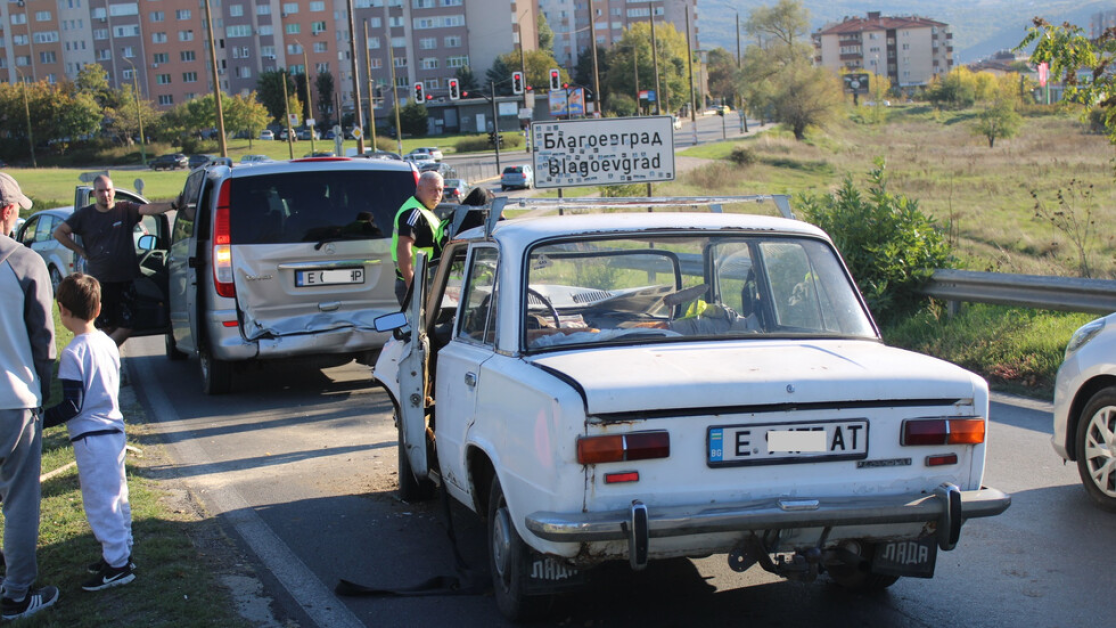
315,206
513,170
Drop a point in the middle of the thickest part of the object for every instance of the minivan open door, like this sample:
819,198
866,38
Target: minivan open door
414,380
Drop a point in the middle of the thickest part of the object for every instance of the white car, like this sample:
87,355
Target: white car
419,159
1085,409
432,151
267,135
643,386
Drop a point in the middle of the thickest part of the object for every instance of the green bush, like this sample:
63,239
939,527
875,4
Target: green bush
623,191
742,156
479,143
891,247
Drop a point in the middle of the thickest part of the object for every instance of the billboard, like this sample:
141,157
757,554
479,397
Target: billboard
569,102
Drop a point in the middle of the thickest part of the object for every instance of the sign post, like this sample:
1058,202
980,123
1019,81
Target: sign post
591,152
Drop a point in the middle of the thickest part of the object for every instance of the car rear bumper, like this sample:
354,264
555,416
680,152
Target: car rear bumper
947,506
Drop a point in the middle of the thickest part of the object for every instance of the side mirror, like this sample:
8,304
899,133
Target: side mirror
148,243
391,322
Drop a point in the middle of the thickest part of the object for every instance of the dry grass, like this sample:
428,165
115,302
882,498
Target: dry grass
982,195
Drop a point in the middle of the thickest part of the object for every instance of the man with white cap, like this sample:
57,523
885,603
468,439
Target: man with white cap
26,355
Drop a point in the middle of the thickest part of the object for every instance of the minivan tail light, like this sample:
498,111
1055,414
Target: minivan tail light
942,432
222,245
623,447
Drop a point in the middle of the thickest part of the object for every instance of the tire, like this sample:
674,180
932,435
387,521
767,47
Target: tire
857,577
411,489
509,561
55,278
1096,448
216,374
173,354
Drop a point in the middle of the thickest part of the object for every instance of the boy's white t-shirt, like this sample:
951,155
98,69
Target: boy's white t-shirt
93,360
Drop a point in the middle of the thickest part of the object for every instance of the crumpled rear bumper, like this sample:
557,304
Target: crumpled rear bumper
948,506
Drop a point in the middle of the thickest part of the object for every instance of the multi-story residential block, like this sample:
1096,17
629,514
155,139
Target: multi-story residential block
162,46
569,19
910,51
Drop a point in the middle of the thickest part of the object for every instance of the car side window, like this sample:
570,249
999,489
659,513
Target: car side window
478,314
29,230
44,232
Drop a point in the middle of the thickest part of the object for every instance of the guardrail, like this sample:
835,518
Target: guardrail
1069,294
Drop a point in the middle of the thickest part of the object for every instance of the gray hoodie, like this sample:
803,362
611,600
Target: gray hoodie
26,327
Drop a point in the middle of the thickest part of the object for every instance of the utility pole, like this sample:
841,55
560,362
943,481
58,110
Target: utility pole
635,70
655,62
309,103
596,70
690,69
287,115
27,111
216,82
358,115
743,109
394,95
496,124
139,113
371,89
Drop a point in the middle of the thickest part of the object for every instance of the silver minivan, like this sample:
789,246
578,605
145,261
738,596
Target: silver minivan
283,260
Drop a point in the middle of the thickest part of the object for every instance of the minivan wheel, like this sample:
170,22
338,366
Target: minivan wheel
172,348
216,374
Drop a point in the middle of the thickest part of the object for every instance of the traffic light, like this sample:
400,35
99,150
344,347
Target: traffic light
420,92
555,80
517,82
454,89
495,139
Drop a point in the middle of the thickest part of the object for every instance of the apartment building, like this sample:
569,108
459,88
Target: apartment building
910,51
162,45
569,19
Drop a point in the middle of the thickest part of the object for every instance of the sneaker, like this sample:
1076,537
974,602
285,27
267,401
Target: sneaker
110,577
35,601
98,566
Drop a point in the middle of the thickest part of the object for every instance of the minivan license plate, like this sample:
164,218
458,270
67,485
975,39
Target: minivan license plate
787,443
304,278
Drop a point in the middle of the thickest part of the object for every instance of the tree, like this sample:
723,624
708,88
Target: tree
1084,65
500,74
123,121
59,114
634,51
466,80
539,64
300,91
92,79
998,121
325,86
245,113
546,35
956,90
722,74
778,79
270,92
413,117
583,71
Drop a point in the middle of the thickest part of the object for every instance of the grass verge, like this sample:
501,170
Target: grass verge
181,555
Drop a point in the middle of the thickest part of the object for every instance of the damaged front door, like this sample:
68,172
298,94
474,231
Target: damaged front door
414,378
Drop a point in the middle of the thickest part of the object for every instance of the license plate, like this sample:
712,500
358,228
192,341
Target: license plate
906,558
787,443
333,277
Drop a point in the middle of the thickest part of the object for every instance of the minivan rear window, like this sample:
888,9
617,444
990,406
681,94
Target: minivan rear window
316,206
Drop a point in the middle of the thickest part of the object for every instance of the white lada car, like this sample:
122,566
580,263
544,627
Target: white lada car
639,386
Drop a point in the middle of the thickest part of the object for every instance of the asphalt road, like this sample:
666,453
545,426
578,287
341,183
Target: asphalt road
299,465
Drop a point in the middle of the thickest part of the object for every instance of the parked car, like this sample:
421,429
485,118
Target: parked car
676,121
305,134
442,168
431,151
197,161
319,153
278,263
267,135
170,162
328,135
254,160
643,386
37,233
517,177
1085,409
455,190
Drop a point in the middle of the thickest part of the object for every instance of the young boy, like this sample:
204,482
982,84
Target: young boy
90,372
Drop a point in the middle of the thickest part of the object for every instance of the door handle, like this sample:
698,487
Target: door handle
471,380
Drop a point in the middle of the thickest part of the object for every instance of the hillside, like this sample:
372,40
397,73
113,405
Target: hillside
980,27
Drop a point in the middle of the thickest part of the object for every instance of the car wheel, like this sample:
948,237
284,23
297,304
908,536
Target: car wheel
857,577
1096,448
55,279
411,489
509,561
216,374
173,353
503,188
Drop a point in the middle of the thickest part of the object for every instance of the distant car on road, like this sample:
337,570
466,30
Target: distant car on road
267,135
420,159
197,161
1085,409
306,134
443,169
173,161
517,177
455,190
252,160
432,151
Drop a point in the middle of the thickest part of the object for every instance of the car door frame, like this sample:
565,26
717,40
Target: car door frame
414,398
183,264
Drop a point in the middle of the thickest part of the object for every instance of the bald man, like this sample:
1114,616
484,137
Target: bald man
417,228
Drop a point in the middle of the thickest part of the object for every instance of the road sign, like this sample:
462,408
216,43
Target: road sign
612,151
856,83
310,122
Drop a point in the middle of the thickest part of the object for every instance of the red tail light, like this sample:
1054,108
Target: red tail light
623,447
942,432
415,172
222,245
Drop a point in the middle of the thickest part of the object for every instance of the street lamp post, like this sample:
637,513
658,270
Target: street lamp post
655,61
357,113
216,82
309,104
139,112
394,84
371,89
287,115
